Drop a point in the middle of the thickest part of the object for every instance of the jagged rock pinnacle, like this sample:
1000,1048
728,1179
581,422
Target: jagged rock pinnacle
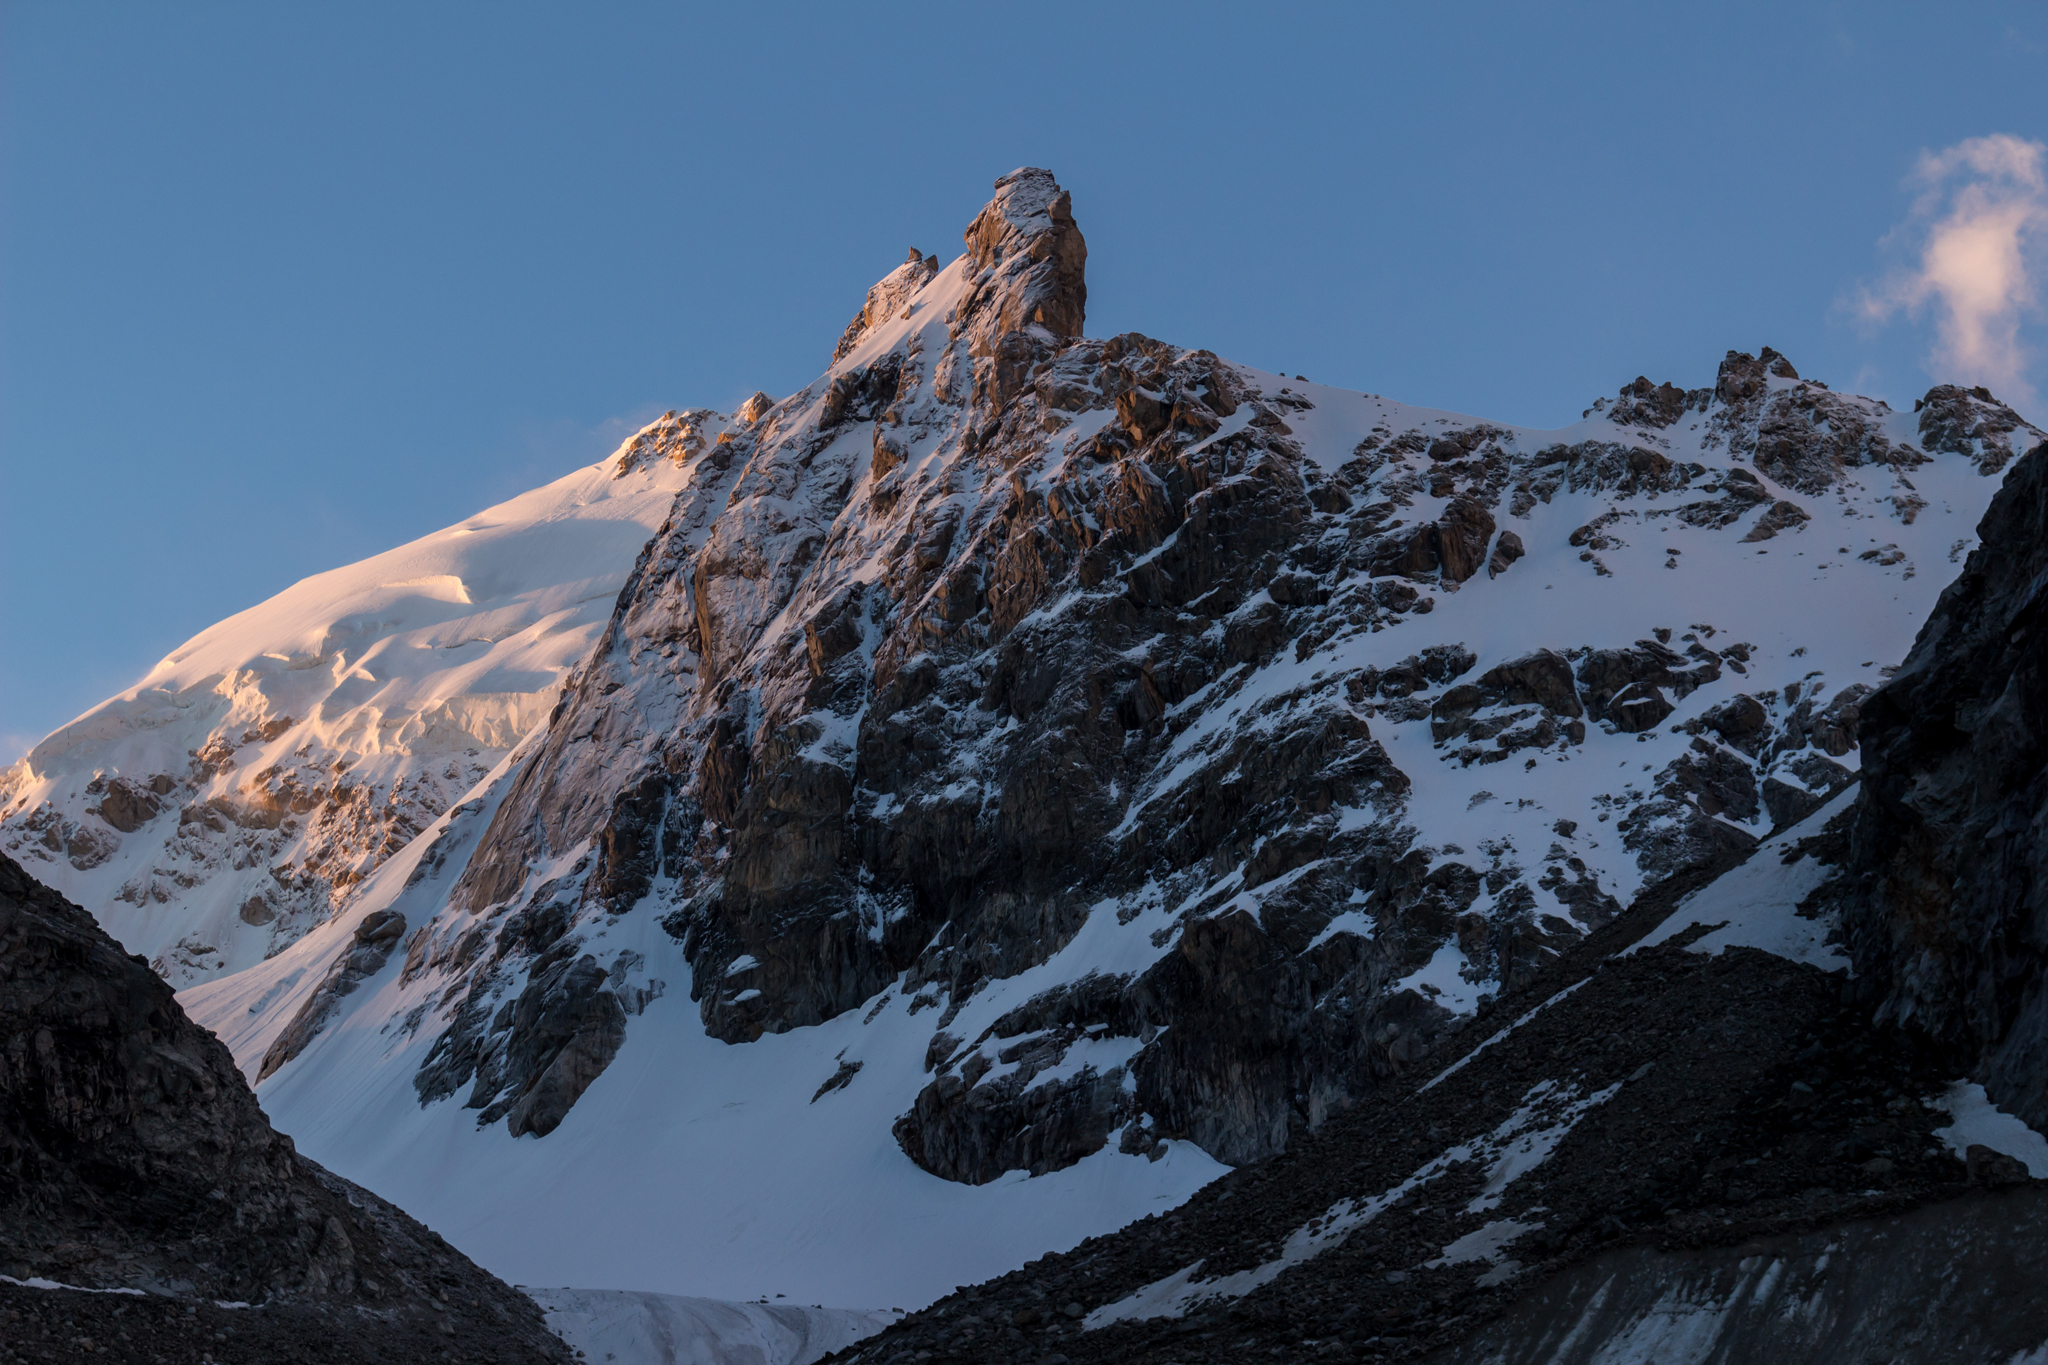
1028,230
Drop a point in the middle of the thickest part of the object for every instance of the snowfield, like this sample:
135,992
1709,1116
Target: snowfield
608,1325
690,1164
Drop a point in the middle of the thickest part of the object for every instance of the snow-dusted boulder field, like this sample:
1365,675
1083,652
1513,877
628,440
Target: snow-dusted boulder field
1020,777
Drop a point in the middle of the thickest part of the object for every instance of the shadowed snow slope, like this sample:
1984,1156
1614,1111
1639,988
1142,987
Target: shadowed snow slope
625,1328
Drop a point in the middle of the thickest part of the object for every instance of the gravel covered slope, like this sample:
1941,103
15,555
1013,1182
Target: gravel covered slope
1951,1283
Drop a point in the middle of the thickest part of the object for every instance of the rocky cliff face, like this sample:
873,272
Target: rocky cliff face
1950,915
132,1155
1666,1144
996,632
1671,1144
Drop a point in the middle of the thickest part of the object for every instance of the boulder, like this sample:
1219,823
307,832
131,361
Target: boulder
1506,551
1462,534
1738,720
1637,707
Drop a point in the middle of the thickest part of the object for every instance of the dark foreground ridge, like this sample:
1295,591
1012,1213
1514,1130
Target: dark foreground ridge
134,1156
1950,911
1721,1113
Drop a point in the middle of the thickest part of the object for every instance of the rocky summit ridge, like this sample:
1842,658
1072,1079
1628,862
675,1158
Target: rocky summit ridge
1018,753
995,628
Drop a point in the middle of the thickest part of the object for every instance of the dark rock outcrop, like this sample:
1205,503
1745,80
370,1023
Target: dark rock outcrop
1626,686
133,1155
1971,422
1951,837
533,1058
1798,434
1462,535
373,941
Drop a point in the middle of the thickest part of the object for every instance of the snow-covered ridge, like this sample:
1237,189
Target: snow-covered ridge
237,795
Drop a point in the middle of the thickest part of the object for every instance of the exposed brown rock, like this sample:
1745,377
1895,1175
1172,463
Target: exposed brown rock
1506,551
1028,230
1462,534
1973,423
1651,405
127,805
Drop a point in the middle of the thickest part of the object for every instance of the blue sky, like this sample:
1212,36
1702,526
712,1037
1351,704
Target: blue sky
283,286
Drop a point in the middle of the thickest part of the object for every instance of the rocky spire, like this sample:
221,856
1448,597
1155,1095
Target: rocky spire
1027,262
1027,236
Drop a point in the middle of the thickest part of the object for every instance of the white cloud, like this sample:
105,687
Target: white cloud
1979,219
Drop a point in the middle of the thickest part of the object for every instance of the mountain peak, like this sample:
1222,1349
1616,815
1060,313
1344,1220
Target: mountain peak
1027,289
1087,755
1027,237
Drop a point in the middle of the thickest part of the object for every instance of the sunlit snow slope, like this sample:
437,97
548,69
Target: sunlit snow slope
238,795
